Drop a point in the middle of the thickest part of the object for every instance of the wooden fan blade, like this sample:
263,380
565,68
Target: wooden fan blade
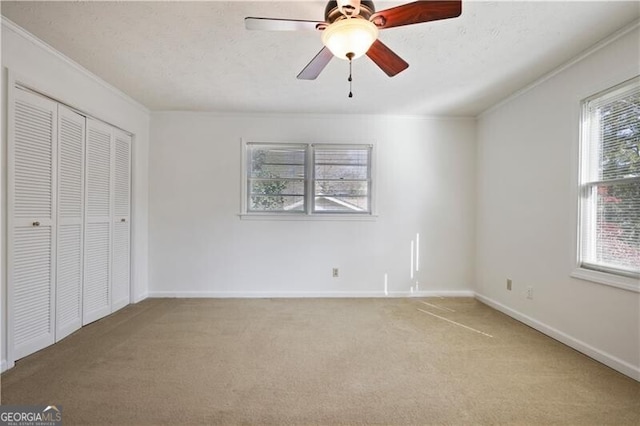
268,24
416,12
317,64
386,59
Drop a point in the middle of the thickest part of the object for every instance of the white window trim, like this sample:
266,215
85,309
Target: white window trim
606,278
626,282
307,215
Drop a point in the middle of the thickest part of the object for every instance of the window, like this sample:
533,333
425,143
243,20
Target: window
276,178
342,179
610,187
305,179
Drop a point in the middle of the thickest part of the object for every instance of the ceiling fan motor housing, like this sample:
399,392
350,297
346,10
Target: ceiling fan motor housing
342,9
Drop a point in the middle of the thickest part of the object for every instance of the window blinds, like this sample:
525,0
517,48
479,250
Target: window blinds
610,220
341,179
276,178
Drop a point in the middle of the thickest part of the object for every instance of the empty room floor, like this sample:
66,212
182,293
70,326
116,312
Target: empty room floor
319,361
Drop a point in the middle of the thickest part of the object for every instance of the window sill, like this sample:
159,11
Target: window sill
618,281
310,217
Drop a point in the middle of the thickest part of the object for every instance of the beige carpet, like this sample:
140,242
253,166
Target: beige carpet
319,361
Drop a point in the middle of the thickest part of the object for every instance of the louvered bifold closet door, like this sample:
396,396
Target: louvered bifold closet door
121,220
97,242
31,223
71,137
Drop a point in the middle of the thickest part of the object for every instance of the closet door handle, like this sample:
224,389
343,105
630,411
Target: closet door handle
123,220
36,223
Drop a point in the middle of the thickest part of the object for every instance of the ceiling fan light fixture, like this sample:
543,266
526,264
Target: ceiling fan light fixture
350,35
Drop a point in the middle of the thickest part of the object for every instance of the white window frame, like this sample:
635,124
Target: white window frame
309,213
584,270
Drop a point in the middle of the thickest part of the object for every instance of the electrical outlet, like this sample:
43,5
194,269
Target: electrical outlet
529,292
509,283
335,273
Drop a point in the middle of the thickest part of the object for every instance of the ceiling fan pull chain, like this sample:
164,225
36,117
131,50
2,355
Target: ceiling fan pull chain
350,79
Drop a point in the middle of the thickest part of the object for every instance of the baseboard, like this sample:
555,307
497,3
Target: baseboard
3,366
140,297
597,354
301,294
443,293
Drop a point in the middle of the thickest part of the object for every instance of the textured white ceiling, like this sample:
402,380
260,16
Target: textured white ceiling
197,56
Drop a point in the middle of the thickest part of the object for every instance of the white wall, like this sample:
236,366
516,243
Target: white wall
36,64
527,212
200,247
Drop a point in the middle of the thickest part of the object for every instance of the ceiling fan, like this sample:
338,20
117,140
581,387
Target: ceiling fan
350,30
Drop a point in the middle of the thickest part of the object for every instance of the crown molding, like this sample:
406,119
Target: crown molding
18,30
308,115
571,62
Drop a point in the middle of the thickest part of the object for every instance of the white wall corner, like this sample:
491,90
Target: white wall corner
568,64
139,298
73,64
605,358
3,366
